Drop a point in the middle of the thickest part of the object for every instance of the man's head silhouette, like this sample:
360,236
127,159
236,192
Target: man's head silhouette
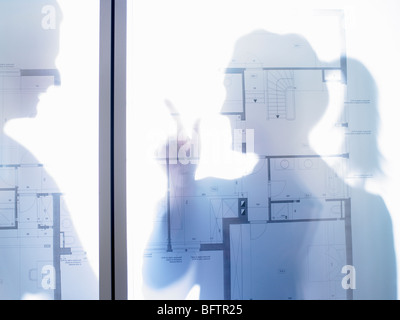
29,33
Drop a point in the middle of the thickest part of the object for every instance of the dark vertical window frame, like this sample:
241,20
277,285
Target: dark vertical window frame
105,245
119,151
112,151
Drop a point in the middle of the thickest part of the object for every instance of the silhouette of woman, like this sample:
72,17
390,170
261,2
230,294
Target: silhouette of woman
286,227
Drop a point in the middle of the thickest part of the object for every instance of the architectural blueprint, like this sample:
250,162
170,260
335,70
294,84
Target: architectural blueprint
285,229
41,256
37,239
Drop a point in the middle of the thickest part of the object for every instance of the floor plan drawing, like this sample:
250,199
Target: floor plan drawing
282,231
38,244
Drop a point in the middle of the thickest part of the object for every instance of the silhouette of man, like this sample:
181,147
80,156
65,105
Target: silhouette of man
40,254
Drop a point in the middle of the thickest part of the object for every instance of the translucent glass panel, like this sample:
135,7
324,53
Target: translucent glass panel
251,136
49,149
